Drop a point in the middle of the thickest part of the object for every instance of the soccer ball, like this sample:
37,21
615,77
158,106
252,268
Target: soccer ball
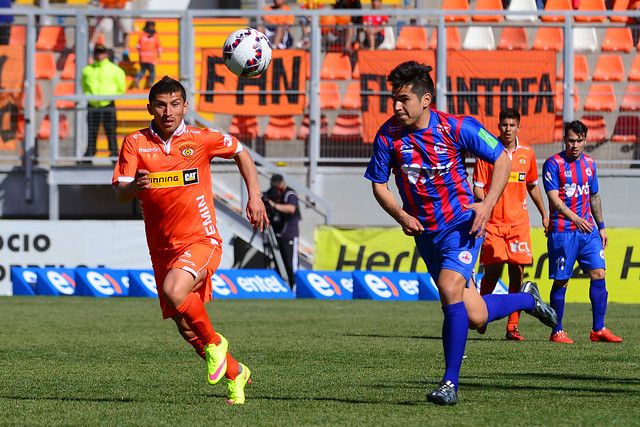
247,52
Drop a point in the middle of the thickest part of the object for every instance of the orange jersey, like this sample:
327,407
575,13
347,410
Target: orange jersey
278,19
149,48
512,205
178,210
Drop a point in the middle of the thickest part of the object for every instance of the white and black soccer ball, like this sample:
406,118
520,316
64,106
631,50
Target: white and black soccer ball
247,52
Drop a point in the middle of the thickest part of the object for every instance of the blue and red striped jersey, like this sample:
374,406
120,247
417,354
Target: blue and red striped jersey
428,165
575,181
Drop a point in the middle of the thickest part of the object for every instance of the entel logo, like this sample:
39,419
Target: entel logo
105,284
62,282
384,288
327,287
256,284
149,282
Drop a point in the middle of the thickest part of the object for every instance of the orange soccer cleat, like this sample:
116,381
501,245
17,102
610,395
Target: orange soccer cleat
561,336
514,335
604,335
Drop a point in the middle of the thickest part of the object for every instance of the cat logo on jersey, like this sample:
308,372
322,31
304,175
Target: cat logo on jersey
187,149
173,178
517,177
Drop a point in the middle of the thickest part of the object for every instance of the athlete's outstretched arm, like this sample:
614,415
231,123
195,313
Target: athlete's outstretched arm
410,225
596,211
483,209
559,206
127,191
536,196
256,212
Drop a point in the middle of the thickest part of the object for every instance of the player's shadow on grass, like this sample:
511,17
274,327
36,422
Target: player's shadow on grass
394,336
72,399
555,382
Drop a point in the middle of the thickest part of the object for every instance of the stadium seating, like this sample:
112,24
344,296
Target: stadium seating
620,6
245,128
347,127
69,69
455,5
51,38
329,96
618,39
558,130
44,132
18,35
303,132
601,97
585,39
513,38
45,65
335,66
609,68
479,38
65,88
634,72
280,128
559,97
580,69
522,5
591,5
389,42
412,38
553,5
631,98
356,71
549,38
627,129
39,98
352,99
597,128
486,5
453,39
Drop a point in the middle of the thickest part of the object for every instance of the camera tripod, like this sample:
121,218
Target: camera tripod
271,251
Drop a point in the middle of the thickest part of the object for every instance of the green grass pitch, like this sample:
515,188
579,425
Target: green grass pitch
91,361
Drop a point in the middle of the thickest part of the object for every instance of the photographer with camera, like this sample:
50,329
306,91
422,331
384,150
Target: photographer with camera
282,209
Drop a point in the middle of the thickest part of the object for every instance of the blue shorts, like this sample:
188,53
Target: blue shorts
452,248
566,247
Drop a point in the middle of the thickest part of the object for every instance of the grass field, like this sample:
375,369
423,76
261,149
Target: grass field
92,361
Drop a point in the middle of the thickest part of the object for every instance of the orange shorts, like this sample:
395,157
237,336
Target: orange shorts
193,258
507,243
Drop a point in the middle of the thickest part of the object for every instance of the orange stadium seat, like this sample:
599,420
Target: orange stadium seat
634,72
44,132
18,35
488,5
456,5
627,129
69,69
549,38
559,97
245,128
352,99
329,96
513,38
597,128
591,5
65,88
601,97
553,5
609,68
303,132
281,128
454,42
356,71
620,6
39,99
412,38
335,66
580,69
45,65
631,98
347,127
559,129
618,39
51,38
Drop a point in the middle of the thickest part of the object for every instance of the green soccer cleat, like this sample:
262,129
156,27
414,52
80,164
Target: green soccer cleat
216,360
235,388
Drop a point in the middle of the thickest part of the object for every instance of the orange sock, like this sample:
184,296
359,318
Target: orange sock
198,346
232,368
193,311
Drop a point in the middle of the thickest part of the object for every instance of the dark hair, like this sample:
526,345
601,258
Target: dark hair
509,113
276,179
167,85
577,127
414,74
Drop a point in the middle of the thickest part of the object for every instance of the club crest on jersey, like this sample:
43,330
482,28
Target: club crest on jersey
466,257
588,171
523,160
443,128
187,149
173,178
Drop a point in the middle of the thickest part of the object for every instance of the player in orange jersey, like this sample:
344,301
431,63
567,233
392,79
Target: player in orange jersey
508,238
167,166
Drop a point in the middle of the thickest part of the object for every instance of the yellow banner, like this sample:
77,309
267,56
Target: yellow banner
389,249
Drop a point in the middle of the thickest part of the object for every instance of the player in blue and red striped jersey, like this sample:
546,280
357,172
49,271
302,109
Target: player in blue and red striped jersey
571,183
425,149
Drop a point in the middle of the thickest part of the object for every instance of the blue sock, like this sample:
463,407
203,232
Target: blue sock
598,295
500,306
556,298
454,338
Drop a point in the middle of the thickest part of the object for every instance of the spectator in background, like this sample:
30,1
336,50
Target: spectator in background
373,26
105,25
276,27
103,77
305,22
5,23
343,37
150,49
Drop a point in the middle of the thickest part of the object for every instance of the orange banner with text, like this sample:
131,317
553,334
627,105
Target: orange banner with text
11,79
480,84
280,90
